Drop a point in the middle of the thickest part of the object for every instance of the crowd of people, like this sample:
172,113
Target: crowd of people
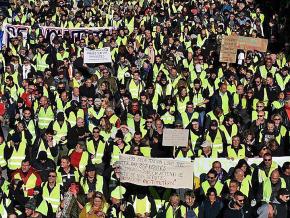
64,122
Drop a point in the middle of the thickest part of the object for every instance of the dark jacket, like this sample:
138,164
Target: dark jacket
230,211
207,210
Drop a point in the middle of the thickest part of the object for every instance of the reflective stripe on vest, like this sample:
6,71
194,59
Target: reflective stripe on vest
16,158
53,197
142,206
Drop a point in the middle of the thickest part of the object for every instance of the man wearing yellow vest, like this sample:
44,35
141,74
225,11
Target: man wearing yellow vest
45,114
28,176
144,205
211,182
236,150
222,98
270,187
51,192
174,208
263,171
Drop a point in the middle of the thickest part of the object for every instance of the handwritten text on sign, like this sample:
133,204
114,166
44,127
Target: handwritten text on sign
228,51
168,173
175,137
102,55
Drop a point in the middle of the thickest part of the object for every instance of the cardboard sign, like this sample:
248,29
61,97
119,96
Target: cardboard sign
97,56
228,51
168,173
251,44
175,137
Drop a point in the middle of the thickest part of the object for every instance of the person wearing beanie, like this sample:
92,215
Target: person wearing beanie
43,165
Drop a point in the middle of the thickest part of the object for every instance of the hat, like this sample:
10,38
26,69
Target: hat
90,167
118,193
31,204
206,144
283,191
42,155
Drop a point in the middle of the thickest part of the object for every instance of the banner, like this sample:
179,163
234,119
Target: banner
49,32
97,56
175,137
228,51
168,173
203,165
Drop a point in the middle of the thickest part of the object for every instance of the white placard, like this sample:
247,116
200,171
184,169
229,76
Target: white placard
175,137
97,56
168,173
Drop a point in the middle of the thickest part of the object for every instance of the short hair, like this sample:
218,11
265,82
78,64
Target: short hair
211,190
239,193
65,158
212,171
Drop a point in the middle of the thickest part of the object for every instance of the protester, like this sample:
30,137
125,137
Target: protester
66,118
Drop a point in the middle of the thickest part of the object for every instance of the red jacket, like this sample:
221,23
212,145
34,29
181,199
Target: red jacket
18,173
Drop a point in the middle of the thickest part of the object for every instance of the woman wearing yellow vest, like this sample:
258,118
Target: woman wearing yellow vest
96,208
174,208
92,182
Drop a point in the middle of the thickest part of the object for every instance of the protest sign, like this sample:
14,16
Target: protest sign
168,173
252,44
228,51
102,55
203,165
175,137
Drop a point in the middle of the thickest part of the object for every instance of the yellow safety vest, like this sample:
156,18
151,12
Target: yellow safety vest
146,151
227,135
244,186
3,162
99,153
262,175
45,117
142,206
170,211
135,89
16,158
232,153
167,118
218,187
41,64
60,130
99,184
60,107
116,152
47,150
72,118
186,120
213,117
30,183
194,138
237,101
181,104
217,142
267,188
53,197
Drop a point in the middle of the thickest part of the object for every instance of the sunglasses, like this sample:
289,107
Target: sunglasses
51,176
267,160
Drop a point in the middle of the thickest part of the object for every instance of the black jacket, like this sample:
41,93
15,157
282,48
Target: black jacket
230,211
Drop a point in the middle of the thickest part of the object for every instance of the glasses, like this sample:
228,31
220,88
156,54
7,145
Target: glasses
267,160
277,119
260,115
96,132
149,121
260,106
242,200
84,100
52,176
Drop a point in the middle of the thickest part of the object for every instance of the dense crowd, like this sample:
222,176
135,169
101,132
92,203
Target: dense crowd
64,122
